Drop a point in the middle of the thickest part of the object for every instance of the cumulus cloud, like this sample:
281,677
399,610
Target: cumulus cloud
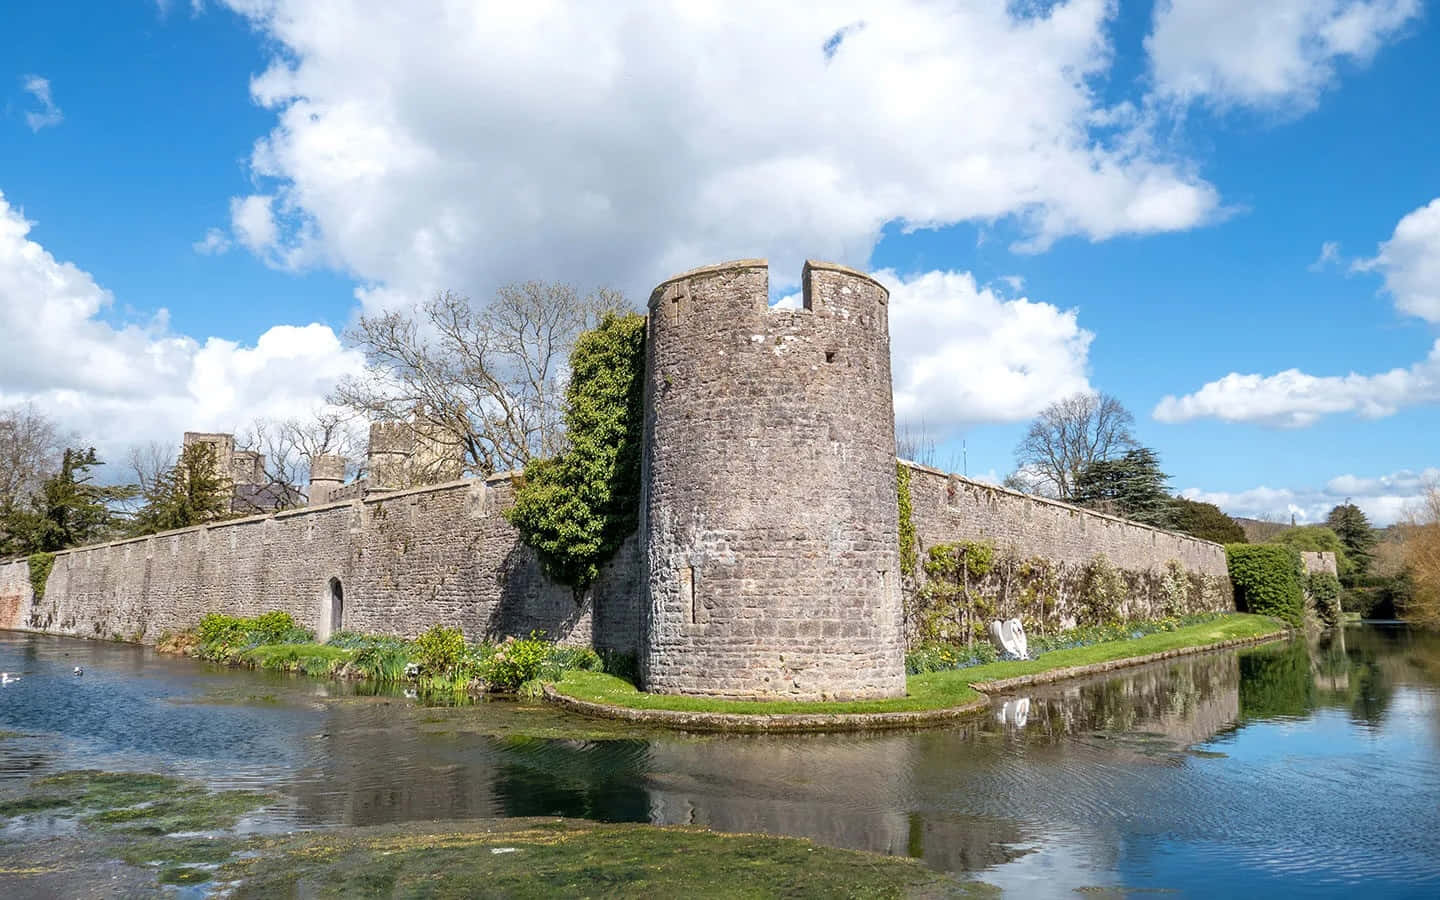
1410,263
1293,399
963,354
116,385
48,115
1280,53
1385,499
621,143
252,219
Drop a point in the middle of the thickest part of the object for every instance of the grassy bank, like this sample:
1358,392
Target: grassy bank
930,690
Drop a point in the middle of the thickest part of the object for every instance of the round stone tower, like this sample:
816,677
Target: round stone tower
327,473
388,461
770,514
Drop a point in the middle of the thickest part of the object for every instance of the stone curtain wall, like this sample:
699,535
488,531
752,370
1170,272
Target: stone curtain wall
770,477
15,593
1044,567
405,561
1313,562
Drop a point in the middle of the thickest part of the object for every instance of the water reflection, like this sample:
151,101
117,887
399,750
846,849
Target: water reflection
1306,766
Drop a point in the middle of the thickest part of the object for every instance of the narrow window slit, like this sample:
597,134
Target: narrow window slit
687,592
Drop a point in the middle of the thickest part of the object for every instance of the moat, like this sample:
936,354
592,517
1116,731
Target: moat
1299,768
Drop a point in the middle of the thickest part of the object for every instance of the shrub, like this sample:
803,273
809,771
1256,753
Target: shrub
516,661
441,652
1267,580
577,508
1325,594
1103,592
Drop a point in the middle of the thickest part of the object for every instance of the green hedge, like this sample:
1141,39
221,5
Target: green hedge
1267,580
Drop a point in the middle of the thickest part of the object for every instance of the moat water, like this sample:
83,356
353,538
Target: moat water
1306,768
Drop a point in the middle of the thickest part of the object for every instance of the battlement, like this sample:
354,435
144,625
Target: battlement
392,437
327,467
742,288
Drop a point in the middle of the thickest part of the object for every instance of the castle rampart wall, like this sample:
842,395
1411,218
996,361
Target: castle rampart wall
405,560
948,509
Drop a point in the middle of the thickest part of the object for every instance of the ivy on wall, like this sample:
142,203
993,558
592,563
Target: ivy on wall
575,509
909,555
40,566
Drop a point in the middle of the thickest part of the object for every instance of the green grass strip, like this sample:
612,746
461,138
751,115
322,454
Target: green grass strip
931,690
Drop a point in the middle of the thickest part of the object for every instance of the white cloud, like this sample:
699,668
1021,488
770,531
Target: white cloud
620,143
1385,499
49,114
116,385
963,354
252,219
1410,263
1329,253
1293,399
214,243
1278,54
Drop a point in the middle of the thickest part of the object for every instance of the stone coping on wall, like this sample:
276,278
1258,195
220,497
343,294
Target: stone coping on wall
791,723
1036,498
378,497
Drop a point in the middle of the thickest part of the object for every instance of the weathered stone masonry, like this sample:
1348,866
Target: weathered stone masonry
1067,540
403,562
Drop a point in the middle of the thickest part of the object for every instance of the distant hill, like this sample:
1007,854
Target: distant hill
1258,531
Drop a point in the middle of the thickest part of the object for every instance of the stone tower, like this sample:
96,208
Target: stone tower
388,461
327,474
770,515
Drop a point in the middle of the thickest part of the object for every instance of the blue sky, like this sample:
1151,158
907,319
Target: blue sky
1062,196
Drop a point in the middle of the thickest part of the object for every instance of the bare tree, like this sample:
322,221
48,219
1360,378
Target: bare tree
1067,436
288,446
30,449
916,444
486,380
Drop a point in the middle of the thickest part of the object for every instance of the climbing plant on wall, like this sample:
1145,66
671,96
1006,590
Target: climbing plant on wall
575,509
909,555
40,566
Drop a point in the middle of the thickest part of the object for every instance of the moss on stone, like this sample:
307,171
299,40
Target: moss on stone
546,858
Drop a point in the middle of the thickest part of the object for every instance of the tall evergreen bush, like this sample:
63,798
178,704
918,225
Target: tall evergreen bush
1267,580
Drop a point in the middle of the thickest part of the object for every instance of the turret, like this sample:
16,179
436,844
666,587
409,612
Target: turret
327,473
770,517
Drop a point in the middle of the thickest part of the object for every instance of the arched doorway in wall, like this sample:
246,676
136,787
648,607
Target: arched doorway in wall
334,612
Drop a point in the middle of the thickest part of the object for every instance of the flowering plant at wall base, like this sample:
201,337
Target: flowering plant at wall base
439,661
968,584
